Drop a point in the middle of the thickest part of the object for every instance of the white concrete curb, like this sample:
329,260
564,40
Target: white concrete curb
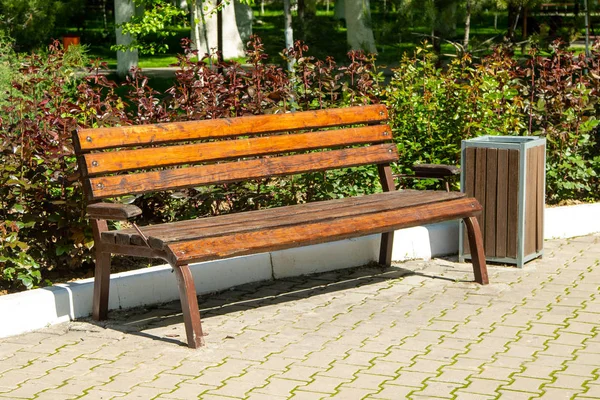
26,311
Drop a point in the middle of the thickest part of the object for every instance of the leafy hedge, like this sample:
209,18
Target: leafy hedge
42,218
42,221
434,108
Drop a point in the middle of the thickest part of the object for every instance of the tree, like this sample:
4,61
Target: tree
237,27
515,9
472,7
31,22
127,58
359,32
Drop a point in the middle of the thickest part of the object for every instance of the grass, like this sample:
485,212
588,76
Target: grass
324,35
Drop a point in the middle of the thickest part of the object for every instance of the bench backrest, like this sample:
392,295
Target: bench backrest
144,158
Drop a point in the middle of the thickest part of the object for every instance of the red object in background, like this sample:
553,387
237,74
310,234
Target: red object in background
70,40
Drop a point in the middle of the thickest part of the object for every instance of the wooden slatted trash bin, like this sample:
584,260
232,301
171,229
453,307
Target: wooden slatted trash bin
507,175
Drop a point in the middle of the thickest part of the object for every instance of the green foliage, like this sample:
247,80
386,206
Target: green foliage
31,22
7,65
433,109
151,27
42,217
41,223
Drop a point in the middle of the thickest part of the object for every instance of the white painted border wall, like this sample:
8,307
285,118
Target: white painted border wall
26,311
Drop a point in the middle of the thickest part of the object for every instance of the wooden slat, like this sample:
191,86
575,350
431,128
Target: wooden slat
435,170
175,231
480,184
104,138
502,203
490,202
319,232
111,186
513,203
125,160
540,199
530,200
293,218
469,189
112,211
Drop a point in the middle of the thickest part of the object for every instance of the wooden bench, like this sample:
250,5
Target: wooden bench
137,159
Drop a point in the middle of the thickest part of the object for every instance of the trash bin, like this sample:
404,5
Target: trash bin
70,40
507,175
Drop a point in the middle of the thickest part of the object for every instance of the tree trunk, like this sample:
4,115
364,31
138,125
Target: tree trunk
237,28
513,20
104,16
288,31
339,11
301,8
197,20
358,23
524,31
220,34
124,10
467,26
444,21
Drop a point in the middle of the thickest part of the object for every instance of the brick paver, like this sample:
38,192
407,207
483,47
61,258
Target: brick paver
419,330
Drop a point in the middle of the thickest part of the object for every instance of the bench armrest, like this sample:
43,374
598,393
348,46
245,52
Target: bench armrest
112,211
435,170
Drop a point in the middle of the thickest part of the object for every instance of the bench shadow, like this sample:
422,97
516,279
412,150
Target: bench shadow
137,321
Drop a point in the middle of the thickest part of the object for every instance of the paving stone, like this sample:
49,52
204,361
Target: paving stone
537,370
410,378
351,394
424,365
465,362
279,387
495,373
592,392
560,350
463,395
325,384
304,395
51,395
559,394
188,391
393,392
526,384
341,370
573,368
301,373
436,389
486,387
510,394
454,375
367,381
564,381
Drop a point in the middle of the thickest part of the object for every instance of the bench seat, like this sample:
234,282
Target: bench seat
299,225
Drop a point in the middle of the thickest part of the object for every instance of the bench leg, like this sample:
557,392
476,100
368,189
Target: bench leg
477,253
385,251
101,273
189,307
101,286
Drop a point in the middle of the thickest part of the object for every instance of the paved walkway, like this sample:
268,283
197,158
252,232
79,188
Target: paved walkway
419,331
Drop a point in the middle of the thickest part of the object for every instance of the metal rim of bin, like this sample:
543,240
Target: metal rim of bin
511,143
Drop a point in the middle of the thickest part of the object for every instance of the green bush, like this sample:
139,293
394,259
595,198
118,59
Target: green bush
42,216
433,109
